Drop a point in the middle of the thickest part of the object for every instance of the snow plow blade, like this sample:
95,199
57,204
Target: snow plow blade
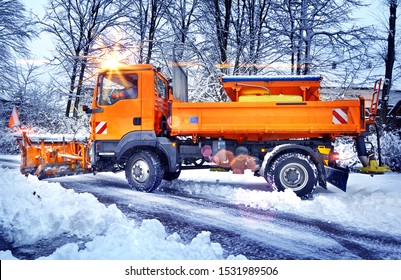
47,158
338,177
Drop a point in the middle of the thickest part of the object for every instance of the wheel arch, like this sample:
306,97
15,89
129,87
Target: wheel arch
147,140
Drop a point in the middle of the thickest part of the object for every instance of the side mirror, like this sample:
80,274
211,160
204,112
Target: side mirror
86,109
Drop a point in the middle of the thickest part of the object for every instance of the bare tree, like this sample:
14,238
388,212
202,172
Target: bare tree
181,14
215,24
78,28
145,20
250,44
315,33
325,23
38,102
16,28
222,20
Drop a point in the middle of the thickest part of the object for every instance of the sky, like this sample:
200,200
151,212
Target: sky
40,47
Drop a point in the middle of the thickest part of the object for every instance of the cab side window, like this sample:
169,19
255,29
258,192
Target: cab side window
160,87
117,86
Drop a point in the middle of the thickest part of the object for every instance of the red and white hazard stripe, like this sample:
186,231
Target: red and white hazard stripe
101,128
340,116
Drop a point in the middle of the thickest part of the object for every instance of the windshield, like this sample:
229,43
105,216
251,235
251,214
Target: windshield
114,87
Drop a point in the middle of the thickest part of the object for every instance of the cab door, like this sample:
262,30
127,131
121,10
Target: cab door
117,108
161,104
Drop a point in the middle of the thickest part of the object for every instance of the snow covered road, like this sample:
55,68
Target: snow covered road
252,232
243,217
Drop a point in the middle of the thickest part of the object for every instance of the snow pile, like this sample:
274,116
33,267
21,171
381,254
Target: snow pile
148,242
370,203
391,149
31,210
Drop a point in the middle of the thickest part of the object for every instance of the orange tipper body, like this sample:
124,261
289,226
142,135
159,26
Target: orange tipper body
269,108
278,127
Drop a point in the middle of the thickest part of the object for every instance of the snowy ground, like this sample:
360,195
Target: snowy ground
370,203
33,210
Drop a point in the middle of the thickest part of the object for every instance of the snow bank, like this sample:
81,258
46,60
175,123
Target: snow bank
148,242
32,210
370,203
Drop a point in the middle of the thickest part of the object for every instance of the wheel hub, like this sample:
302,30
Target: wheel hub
294,176
140,171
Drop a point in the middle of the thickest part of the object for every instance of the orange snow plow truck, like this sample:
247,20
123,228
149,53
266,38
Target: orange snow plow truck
276,126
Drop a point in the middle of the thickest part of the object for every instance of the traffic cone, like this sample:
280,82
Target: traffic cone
14,119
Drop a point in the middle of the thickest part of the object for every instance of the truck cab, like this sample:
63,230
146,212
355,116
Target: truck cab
127,99
129,109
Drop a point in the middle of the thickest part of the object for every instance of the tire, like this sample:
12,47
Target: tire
293,171
171,176
144,171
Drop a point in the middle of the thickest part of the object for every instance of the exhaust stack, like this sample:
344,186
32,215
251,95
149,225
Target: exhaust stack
180,80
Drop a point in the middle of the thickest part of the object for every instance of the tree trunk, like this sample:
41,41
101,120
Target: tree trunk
292,38
307,59
152,29
222,28
301,36
389,59
299,63
72,87
79,87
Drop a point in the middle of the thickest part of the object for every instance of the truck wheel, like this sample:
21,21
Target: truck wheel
144,171
170,176
293,171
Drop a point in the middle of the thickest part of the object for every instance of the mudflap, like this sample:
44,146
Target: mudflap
338,177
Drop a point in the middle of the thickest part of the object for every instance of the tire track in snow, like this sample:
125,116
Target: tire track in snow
255,233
